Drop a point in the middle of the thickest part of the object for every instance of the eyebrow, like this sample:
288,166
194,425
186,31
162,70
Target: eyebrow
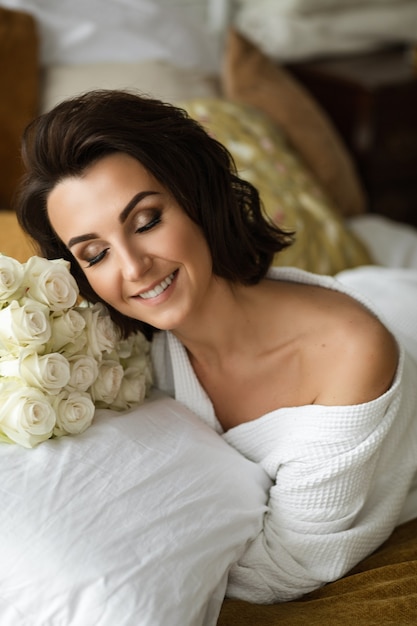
122,217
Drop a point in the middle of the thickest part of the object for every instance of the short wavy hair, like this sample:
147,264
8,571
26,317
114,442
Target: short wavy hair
195,168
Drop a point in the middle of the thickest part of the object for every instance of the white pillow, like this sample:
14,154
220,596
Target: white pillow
97,31
133,523
158,79
307,7
345,30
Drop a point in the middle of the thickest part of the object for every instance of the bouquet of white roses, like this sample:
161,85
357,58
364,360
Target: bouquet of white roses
59,359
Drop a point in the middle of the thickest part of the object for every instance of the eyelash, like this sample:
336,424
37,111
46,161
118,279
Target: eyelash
97,258
151,224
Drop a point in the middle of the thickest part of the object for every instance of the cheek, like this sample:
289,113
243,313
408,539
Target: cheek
193,245
103,285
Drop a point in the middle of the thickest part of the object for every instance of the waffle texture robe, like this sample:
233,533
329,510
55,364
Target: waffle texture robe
342,475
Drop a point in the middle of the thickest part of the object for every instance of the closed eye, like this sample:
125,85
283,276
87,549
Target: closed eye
156,219
97,258
153,219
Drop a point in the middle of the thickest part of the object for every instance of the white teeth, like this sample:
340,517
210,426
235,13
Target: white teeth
156,291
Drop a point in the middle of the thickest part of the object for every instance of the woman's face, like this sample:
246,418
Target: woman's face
139,250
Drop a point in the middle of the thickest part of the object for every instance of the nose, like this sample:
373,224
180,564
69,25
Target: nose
134,264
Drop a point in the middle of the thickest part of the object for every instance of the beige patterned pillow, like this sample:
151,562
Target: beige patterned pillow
289,191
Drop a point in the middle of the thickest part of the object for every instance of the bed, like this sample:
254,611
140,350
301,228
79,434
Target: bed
133,522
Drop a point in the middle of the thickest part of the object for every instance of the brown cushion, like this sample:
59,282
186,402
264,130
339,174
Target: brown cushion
249,76
19,93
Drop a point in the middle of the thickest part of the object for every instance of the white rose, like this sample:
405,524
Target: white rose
140,344
107,385
125,348
11,279
141,362
51,283
24,326
140,358
133,390
74,413
50,372
84,372
66,327
136,343
102,334
26,415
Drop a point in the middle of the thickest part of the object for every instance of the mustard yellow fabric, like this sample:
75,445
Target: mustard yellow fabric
381,589
291,194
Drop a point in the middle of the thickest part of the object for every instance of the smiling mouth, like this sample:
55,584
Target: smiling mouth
156,291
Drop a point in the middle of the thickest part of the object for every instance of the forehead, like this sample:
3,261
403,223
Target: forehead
113,169
107,185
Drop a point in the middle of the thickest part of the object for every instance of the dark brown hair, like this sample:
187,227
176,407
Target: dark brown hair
198,171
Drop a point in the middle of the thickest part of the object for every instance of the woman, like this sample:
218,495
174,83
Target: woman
291,368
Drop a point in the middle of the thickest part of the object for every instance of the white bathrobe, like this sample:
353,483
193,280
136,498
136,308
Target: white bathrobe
342,475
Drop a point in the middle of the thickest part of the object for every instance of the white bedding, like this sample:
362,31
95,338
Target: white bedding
135,522
390,244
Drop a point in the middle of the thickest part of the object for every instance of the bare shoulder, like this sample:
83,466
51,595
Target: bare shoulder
361,358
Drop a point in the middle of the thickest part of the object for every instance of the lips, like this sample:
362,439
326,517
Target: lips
158,289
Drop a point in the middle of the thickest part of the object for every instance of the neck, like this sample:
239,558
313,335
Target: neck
226,325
